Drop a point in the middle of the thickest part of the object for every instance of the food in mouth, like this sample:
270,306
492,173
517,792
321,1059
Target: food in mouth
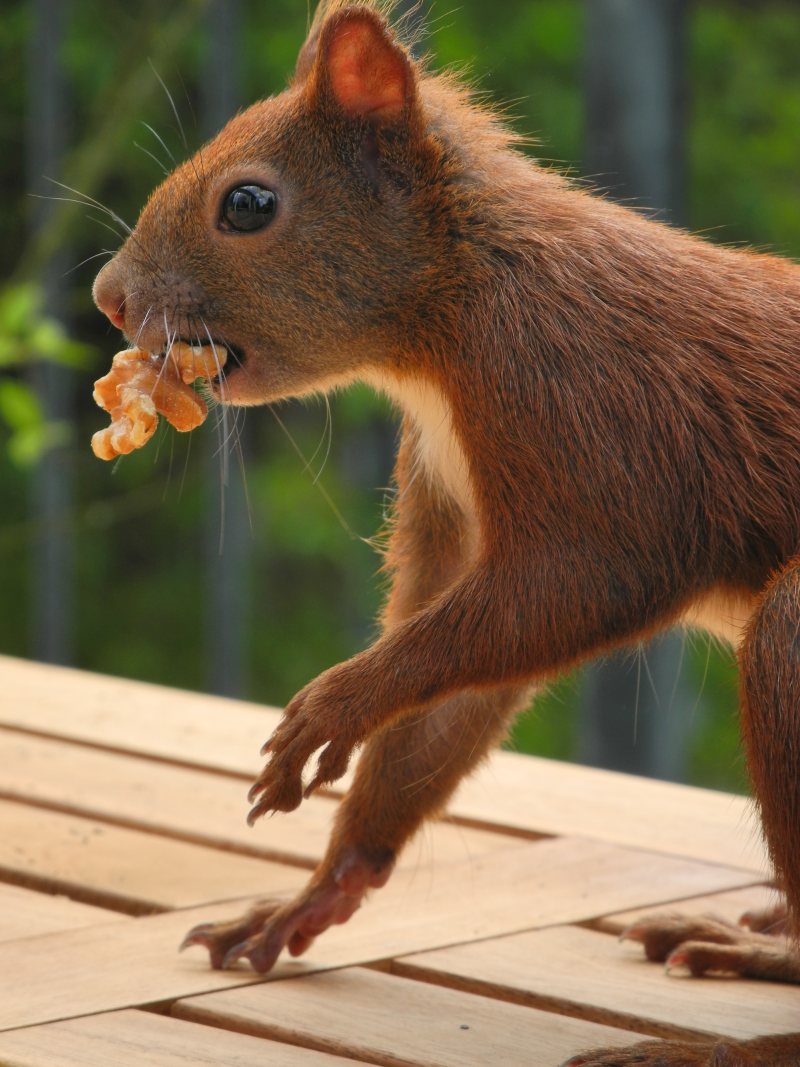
141,386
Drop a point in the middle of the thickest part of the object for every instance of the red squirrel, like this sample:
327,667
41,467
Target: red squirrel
600,437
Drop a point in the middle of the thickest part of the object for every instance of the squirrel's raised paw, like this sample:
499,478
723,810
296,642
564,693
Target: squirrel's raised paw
321,716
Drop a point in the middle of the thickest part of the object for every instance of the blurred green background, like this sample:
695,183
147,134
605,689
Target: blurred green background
143,554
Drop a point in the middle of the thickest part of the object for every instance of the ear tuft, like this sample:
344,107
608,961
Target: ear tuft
369,75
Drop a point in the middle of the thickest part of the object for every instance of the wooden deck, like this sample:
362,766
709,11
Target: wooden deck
122,809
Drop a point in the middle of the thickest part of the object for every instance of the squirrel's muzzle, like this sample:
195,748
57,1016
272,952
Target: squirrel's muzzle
109,294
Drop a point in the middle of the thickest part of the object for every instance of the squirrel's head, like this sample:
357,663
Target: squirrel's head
302,236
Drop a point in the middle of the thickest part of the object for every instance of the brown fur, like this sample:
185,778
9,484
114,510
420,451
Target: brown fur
601,434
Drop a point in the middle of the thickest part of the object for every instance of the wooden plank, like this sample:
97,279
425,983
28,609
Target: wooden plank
25,913
193,804
521,793
127,869
121,964
366,1014
730,905
133,1038
528,793
568,968
117,713
203,807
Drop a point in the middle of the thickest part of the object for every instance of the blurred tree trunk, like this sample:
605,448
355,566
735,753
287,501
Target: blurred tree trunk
228,536
52,482
635,712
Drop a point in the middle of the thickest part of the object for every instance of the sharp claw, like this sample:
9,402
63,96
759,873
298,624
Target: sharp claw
267,745
233,955
313,785
264,955
632,933
676,959
256,788
198,935
254,814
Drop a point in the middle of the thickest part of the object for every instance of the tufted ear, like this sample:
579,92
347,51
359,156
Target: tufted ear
353,60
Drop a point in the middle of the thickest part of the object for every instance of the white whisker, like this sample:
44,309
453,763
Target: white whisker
160,139
105,252
154,158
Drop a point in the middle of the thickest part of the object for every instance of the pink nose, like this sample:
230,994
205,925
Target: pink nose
109,296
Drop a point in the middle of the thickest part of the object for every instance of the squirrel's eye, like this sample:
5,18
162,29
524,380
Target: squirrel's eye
248,208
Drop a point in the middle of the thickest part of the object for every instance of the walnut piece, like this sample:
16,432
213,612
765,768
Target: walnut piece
141,386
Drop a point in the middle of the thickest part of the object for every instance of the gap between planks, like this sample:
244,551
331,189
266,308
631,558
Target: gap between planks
398,1022
129,870
524,887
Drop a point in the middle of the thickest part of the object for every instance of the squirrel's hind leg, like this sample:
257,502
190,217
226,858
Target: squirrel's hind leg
769,661
761,1052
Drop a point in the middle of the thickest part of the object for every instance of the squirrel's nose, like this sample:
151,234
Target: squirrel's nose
109,294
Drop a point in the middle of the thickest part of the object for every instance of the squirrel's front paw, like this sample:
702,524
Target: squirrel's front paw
270,927
322,714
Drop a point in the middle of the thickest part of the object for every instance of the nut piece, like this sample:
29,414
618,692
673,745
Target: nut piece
140,387
197,361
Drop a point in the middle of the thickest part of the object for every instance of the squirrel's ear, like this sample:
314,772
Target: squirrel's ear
354,61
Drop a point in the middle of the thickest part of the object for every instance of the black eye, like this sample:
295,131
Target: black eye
248,208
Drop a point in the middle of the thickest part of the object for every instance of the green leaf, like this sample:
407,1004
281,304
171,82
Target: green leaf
11,352
48,340
27,446
19,406
19,304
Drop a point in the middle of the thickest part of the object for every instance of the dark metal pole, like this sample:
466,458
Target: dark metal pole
635,713
51,501
228,537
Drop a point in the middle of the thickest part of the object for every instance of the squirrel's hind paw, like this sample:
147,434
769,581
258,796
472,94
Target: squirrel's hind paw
666,1054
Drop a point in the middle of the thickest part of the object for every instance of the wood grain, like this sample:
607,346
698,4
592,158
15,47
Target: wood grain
137,717
127,869
528,793
591,972
24,913
130,962
191,804
400,1022
134,1038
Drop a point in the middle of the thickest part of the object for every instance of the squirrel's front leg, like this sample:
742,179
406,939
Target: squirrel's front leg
504,622
406,772
405,775
453,643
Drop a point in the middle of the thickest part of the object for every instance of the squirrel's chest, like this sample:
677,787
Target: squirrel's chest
439,451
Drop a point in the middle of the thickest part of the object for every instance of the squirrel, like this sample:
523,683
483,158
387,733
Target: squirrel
600,436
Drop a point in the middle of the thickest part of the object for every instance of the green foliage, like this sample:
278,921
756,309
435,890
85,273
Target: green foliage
744,118
28,335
